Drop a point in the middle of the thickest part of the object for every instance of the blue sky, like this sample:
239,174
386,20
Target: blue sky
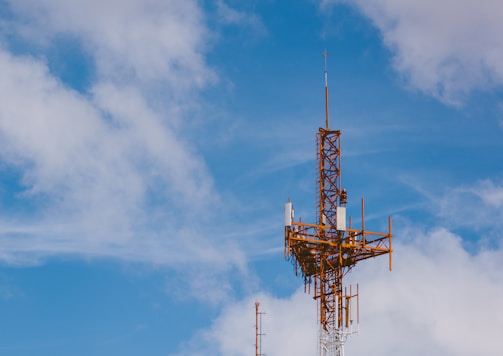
147,149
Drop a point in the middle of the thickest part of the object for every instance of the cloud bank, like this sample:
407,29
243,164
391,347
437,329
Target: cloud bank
110,171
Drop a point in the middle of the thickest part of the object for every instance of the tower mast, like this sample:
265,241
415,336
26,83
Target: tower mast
325,252
325,55
257,352
258,330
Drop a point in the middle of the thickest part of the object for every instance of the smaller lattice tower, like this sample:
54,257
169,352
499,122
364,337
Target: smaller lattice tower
258,330
323,253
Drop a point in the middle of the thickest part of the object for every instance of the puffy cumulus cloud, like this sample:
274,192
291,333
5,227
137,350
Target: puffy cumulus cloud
144,40
289,326
443,48
439,300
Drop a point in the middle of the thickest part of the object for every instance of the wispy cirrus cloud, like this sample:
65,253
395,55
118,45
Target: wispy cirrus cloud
476,207
232,16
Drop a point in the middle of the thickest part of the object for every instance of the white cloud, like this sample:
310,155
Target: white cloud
110,172
90,166
231,16
473,207
476,206
489,193
445,49
144,40
289,325
439,300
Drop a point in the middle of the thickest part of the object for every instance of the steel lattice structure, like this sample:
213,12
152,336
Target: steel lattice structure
325,252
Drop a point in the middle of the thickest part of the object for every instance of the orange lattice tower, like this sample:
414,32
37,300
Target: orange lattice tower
324,252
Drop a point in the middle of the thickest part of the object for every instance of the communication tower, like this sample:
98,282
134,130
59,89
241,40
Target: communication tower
323,253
